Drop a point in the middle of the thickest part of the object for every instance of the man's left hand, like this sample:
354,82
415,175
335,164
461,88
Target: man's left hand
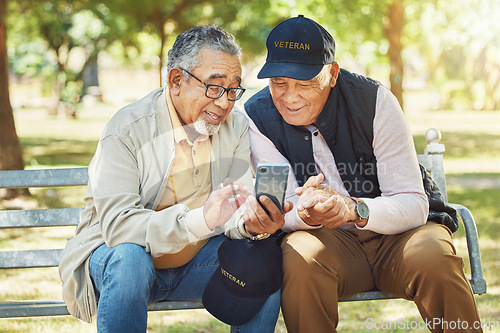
257,221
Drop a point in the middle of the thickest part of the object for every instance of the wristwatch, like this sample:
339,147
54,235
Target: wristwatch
361,210
261,236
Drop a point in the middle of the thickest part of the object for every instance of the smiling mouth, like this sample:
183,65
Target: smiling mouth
213,118
294,110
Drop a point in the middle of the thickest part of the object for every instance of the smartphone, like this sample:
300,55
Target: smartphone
271,180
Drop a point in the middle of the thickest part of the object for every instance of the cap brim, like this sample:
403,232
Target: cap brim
227,307
291,70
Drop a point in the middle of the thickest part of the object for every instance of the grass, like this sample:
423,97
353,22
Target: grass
472,153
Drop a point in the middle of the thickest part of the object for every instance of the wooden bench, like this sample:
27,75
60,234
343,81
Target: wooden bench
432,160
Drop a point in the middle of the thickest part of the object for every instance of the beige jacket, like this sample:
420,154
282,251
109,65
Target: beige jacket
127,178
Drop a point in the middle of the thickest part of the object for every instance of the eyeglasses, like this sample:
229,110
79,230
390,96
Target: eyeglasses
214,91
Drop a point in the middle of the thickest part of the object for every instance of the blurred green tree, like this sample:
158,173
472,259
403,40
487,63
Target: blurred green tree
62,26
52,21
460,43
94,25
165,19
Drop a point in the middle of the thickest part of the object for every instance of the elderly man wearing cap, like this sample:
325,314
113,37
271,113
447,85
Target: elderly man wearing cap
360,216
166,189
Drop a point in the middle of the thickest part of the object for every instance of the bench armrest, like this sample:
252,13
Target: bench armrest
477,280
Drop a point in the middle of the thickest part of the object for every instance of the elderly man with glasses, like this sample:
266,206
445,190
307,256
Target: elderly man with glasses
167,185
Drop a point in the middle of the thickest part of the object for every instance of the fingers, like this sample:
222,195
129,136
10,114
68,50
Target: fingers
236,202
240,200
327,188
232,189
313,181
298,190
222,203
311,197
288,206
258,221
253,224
334,204
274,211
330,213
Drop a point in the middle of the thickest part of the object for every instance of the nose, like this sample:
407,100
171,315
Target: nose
223,102
290,95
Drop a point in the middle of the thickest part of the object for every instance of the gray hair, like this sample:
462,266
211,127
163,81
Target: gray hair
186,49
324,75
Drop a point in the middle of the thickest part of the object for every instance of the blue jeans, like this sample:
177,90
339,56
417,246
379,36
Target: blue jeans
125,281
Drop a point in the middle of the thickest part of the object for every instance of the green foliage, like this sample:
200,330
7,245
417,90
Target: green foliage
87,28
460,43
72,91
30,58
57,29
452,47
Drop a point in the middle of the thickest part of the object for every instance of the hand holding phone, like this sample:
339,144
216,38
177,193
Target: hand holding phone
271,180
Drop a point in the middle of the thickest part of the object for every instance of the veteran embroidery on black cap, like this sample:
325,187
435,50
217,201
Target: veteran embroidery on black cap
292,45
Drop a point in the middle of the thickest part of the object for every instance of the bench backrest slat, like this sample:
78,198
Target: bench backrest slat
39,217
43,178
30,258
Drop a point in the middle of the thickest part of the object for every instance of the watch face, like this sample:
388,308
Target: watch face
363,210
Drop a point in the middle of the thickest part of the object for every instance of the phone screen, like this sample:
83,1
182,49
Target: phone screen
271,180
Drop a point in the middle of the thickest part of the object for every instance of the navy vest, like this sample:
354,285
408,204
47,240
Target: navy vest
346,124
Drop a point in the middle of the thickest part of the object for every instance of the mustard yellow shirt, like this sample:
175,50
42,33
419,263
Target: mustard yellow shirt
189,183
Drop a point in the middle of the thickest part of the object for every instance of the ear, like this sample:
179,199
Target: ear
334,71
175,79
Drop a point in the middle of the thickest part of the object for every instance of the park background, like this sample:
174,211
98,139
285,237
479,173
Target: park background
73,64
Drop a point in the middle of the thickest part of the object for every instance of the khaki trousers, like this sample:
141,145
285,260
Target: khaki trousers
325,265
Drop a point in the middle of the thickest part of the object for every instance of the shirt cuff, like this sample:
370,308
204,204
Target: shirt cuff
293,222
377,215
195,222
243,231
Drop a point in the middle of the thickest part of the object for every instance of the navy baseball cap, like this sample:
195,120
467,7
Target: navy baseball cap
297,48
248,273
